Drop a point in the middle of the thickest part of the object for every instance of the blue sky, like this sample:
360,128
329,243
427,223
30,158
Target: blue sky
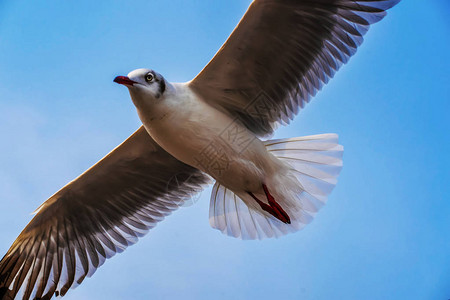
382,235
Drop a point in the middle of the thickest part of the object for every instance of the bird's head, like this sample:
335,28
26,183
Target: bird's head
143,84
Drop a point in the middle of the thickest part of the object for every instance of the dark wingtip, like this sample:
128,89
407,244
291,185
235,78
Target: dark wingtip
3,291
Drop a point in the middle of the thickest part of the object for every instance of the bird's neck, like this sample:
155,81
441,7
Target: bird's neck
151,109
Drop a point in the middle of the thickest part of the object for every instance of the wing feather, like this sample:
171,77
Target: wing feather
281,54
97,215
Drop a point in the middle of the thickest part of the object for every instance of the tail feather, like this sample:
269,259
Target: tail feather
314,162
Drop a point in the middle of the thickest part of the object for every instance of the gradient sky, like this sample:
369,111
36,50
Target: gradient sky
382,235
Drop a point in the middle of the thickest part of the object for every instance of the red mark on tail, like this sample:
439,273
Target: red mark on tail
273,207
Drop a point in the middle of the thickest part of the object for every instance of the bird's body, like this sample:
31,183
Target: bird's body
278,57
221,146
198,134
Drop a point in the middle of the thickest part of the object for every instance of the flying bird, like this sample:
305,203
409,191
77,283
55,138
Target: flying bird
214,128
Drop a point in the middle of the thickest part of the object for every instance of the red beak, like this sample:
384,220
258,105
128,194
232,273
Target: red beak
124,80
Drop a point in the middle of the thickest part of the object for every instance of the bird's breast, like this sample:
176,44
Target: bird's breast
207,139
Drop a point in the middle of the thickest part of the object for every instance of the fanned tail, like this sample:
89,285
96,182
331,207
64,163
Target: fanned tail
314,162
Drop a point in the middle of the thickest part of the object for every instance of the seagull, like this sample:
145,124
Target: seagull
216,129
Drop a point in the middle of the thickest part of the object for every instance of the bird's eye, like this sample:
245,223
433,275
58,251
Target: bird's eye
149,77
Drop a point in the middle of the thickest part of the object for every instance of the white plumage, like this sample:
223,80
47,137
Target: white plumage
315,161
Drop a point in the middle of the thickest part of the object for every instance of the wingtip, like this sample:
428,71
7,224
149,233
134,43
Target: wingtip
3,291
388,4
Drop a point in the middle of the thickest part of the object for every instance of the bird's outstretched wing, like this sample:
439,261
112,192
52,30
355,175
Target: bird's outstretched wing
281,53
95,216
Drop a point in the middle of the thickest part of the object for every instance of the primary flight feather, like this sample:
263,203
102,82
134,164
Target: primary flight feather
278,57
